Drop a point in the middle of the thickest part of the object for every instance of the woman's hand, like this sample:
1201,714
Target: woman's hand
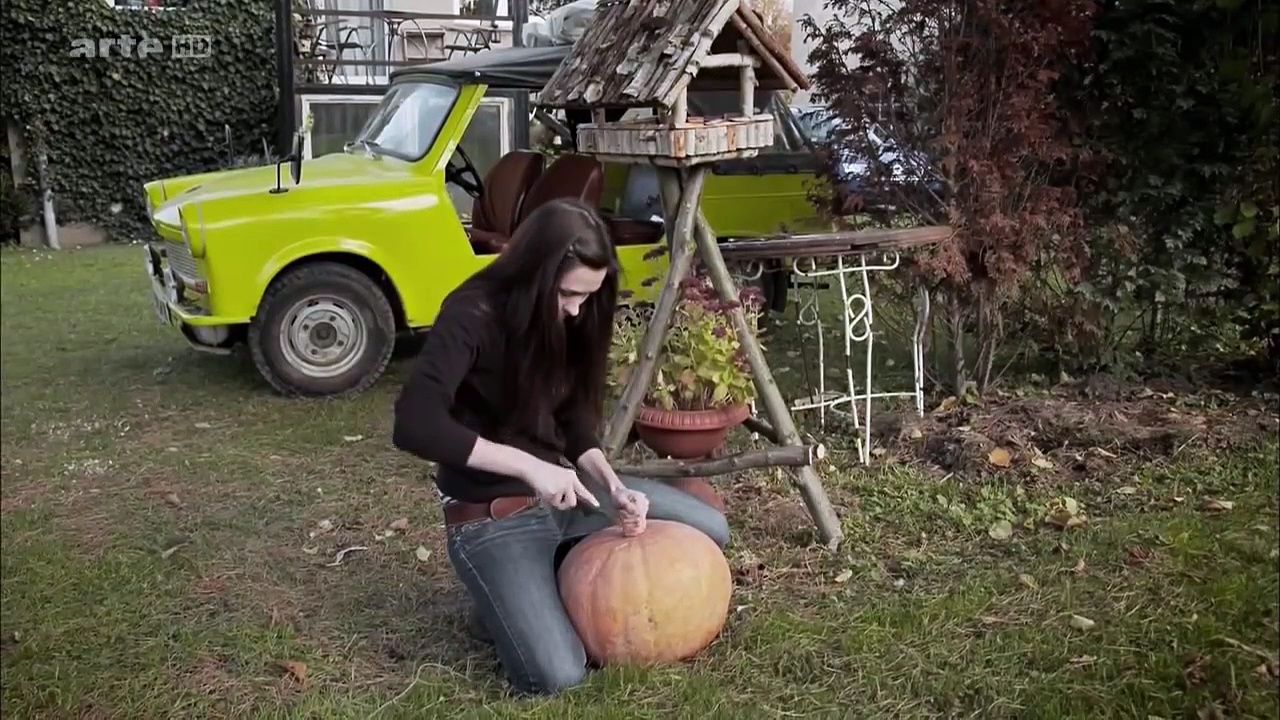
632,507
558,486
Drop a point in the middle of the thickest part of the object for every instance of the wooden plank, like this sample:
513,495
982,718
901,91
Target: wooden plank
710,138
670,162
719,60
845,242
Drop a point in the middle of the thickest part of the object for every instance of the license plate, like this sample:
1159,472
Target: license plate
162,310
158,305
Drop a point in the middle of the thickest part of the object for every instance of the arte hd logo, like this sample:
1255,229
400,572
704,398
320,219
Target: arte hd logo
181,47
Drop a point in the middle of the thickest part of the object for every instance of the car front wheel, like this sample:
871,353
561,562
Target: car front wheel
322,329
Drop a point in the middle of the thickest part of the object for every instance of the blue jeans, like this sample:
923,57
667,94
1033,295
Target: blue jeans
508,569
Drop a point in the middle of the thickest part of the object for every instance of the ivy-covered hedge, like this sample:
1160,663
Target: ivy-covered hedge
110,122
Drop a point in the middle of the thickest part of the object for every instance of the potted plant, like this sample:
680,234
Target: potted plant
702,386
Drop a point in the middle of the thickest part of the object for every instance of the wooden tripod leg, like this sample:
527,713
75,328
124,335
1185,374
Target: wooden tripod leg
810,485
682,254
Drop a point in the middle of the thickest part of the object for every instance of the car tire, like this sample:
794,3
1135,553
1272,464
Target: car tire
322,329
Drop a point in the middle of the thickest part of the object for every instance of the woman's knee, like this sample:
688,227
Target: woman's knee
714,525
667,502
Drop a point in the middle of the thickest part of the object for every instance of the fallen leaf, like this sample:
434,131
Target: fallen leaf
295,668
383,535
422,554
1080,567
1126,490
1042,462
877,452
1002,530
1213,505
311,549
946,404
322,527
1268,670
1062,548
400,524
173,500
844,576
1081,622
1028,581
916,434
1064,512
203,426
353,438
1000,457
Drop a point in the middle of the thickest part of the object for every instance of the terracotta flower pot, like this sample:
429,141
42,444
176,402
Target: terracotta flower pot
687,434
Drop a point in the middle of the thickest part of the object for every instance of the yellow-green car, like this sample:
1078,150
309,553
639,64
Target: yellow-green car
319,273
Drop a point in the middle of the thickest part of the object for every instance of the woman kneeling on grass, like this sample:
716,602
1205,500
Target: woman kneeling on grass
508,388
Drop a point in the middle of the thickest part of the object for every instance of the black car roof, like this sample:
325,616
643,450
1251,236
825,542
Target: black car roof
515,68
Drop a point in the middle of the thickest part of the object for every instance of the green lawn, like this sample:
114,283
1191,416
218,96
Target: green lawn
158,506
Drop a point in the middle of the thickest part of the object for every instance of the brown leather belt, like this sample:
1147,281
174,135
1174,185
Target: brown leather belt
457,512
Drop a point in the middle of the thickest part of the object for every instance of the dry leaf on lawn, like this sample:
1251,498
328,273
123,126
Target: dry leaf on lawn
844,576
400,524
1042,462
296,668
1214,505
1000,457
1081,622
1028,581
422,554
1002,530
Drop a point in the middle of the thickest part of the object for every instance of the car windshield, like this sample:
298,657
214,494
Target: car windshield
817,123
407,120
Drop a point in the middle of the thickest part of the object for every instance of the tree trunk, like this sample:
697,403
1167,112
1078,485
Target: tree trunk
957,375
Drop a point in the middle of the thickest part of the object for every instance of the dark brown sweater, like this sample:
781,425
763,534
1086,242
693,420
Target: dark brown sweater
454,396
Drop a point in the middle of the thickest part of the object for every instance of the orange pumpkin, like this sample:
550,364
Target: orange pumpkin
660,596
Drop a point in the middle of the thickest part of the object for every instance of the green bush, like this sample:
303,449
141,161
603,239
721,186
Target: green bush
110,123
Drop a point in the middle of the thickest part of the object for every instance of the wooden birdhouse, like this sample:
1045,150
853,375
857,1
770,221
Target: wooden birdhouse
649,54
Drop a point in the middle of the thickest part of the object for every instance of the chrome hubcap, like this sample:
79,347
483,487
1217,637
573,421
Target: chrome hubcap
323,336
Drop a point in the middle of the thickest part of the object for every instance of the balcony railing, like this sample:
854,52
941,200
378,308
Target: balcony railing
359,48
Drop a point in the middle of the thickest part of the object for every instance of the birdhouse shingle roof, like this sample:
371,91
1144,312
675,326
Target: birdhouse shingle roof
641,53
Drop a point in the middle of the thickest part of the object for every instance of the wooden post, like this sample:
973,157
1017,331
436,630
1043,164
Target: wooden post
680,111
747,83
779,416
681,241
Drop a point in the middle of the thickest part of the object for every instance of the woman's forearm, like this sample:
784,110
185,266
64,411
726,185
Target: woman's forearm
501,459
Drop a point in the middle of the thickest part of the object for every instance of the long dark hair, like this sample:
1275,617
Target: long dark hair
547,357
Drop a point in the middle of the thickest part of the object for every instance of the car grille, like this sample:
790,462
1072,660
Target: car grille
180,259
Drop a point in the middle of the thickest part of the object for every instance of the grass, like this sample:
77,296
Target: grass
158,560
